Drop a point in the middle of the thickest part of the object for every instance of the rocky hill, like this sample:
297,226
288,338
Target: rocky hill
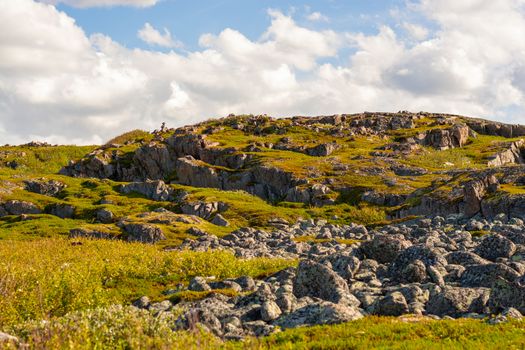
387,214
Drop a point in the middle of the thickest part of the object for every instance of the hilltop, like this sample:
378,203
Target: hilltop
302,221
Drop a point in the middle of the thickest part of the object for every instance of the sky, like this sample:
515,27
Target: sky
83,71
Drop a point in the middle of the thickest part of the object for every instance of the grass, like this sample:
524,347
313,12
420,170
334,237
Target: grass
390,333
46,278
117,327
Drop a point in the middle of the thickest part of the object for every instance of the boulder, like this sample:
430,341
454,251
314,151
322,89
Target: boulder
104,216
198,284
205,210
144,233
410,258
156,190
62,210
456,301
89,233
321,150
487,275
270,311
219,220
495,246
319,281
318,313
384,248
507,294
393,304
47,188
15,207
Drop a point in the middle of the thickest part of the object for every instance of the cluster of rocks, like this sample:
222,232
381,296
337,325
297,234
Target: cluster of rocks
429,267
281,243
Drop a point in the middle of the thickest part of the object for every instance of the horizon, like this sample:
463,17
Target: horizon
72,74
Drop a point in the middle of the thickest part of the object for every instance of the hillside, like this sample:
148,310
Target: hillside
393,222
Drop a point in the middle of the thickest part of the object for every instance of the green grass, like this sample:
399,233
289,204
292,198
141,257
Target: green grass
390,333
128,328
44,278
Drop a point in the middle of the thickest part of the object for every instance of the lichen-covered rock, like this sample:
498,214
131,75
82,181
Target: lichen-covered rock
495,246
156,190
505,294
456,301
393,304
89,233
317,280
47,188
62,210
16,207
219,220
199,284
487,275
143,233
270,311
318,313
384,248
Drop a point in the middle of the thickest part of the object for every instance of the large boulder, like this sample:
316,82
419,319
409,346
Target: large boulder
475,190
495,246
196,173
384,248
15,207
456,301
507,294
319,281
487,275
47,188
393,304
153,189
62,210
417,255
444,139
143,233
205,210
318,313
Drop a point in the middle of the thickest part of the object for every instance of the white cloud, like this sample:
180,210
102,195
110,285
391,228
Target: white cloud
317,17
416,31
102,3
152,36
60,85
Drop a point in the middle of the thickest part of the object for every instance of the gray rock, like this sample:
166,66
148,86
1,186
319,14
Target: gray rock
495,246
317,280
104,216
219,220
393,304
156,190
384,248
47,188
270,311
455,301
486,275
15,207
62,210
318,313
142,303
143,233
198,284
89,233
507,294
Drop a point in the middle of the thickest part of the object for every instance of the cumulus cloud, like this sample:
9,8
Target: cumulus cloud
415,31
58,84
317,17
102,3
152,36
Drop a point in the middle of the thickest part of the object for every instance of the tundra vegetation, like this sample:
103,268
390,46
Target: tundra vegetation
416,219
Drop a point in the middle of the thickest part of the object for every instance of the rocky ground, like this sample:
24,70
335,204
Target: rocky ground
440,268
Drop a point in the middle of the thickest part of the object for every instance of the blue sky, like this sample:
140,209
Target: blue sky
188,20
82,71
